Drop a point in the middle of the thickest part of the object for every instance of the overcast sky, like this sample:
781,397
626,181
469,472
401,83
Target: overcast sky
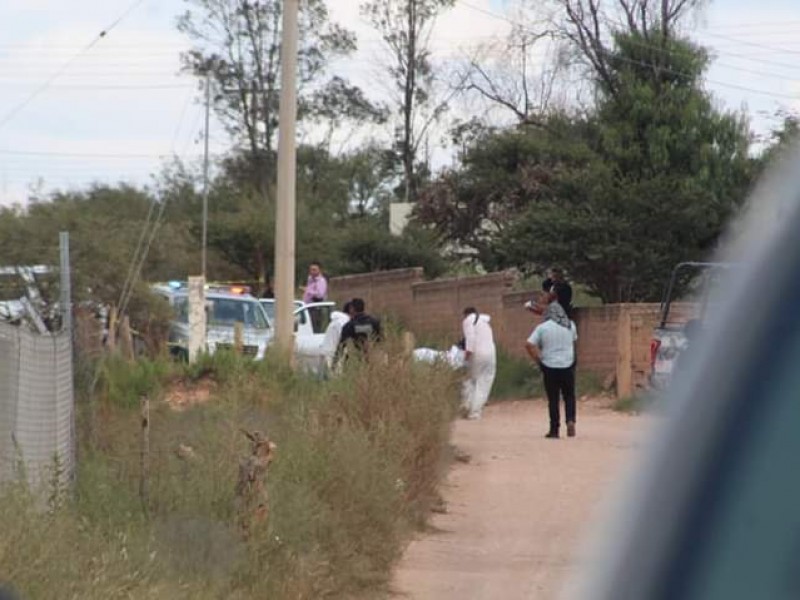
121,107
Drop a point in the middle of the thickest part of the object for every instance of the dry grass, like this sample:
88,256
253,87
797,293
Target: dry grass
357,465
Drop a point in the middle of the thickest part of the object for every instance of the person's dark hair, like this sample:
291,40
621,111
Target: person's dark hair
557,270
348,306
315,263
547,285
358,305
470,310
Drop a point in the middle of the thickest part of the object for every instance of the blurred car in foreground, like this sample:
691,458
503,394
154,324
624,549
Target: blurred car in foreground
714,510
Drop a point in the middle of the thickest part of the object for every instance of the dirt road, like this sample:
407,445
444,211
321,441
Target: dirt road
517,512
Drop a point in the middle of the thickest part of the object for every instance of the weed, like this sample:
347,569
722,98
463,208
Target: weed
357,465
516,378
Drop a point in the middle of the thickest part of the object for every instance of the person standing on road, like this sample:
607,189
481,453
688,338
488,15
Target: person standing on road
480,359
552,347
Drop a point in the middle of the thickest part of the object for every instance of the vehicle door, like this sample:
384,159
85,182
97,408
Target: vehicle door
311,321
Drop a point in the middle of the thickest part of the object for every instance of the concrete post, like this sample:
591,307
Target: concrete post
197,317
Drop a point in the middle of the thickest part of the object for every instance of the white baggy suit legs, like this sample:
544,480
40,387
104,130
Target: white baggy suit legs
482,364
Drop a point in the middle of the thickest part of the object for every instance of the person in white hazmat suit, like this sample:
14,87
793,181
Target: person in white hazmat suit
333,335
481,361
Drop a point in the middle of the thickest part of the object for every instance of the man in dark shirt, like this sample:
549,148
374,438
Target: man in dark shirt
557,284
361,329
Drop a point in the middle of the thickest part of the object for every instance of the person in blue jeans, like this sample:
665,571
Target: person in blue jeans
551,345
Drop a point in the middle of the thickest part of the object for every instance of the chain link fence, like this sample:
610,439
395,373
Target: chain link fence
37,441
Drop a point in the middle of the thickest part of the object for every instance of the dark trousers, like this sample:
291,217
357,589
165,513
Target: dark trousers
560,383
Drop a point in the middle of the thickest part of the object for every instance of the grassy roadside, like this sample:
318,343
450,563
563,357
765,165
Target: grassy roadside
518,378
357,466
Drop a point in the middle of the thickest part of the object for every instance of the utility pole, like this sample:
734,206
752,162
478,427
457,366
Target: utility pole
285,218
205,174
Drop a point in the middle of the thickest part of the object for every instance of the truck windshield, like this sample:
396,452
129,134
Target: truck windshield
226,312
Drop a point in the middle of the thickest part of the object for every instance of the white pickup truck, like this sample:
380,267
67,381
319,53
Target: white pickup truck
310,323
681,321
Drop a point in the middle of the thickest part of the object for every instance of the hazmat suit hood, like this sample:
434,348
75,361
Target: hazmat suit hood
340,317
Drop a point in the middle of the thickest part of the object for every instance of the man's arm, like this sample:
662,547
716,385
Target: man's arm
533,346
469,337
534,352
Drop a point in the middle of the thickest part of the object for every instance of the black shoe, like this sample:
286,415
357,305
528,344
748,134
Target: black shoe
571,429
552,435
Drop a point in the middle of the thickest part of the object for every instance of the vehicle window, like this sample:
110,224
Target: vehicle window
180,307
320,318
226,311
269,308
753,534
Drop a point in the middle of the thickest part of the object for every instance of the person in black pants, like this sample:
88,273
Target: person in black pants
552,347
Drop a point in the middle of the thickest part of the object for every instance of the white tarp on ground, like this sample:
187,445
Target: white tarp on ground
36,406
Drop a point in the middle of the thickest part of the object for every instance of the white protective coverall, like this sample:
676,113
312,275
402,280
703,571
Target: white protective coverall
481,365
333,334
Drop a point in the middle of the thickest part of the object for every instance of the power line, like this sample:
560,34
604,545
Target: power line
755,44
14,111
78,154
678,73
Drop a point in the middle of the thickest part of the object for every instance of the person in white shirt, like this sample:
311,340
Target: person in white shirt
481,361
552,347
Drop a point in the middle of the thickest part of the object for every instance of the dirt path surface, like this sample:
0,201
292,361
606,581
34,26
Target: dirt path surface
517,512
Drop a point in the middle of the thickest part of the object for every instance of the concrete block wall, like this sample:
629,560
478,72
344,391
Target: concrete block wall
387,293
432,310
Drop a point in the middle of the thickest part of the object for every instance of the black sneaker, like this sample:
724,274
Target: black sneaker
552,435
571,429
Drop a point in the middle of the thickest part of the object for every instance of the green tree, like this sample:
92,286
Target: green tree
617,196
667,173
405,27
238,42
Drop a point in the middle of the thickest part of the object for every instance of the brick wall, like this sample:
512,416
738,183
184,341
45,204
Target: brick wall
438,305
432,310
387,293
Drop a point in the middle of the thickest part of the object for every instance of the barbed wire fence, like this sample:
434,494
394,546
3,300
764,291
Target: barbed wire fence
37,397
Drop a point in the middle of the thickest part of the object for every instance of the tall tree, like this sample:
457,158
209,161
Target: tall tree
405,27
668,171
518,75
618,196
592,26
237,42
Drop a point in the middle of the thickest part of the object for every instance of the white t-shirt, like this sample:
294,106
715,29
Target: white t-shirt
556,343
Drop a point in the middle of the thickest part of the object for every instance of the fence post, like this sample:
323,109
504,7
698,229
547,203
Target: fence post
66,283
111,340
126,338
624,354
144,456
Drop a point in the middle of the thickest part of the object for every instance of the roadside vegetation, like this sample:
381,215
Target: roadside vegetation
356,469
